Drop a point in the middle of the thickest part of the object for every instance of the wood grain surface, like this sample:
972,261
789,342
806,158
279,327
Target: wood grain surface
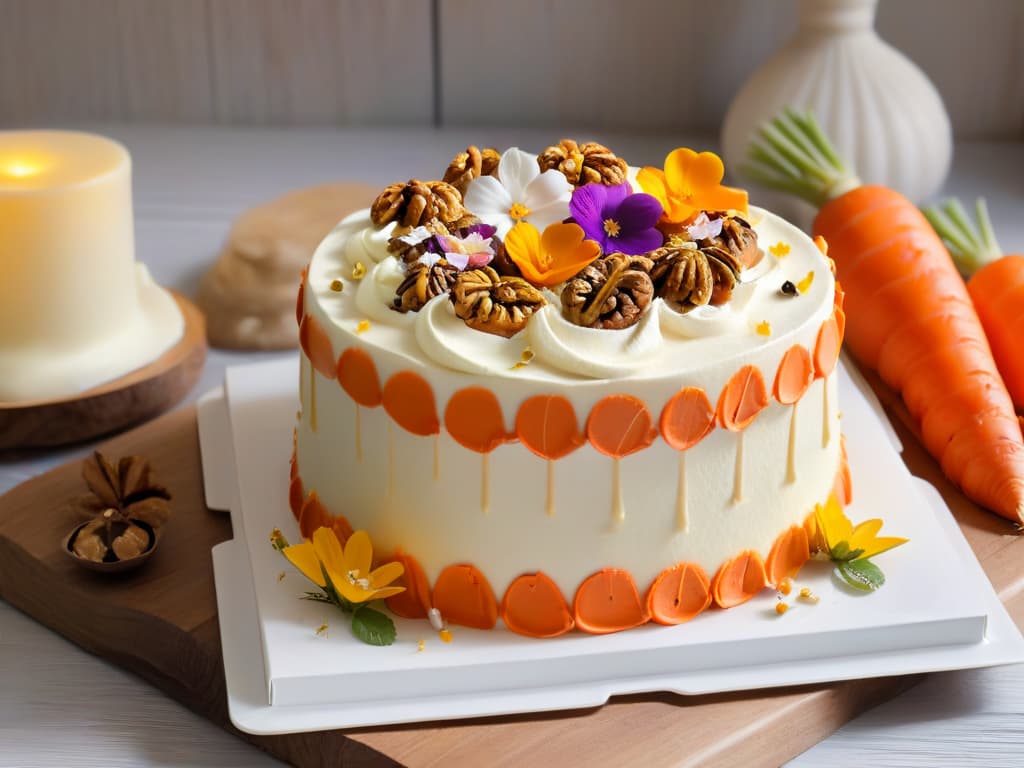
160,623
130,399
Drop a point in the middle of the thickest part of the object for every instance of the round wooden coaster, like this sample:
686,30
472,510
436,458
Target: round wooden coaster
115,405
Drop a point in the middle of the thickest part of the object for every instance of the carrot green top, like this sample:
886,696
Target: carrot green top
971,246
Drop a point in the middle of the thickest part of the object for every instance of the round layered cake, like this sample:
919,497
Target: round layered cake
589,390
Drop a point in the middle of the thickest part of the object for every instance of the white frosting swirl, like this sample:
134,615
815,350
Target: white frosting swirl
366,244
376,293
594,352
448,341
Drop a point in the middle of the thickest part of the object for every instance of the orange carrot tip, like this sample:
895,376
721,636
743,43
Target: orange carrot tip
971,245
791,153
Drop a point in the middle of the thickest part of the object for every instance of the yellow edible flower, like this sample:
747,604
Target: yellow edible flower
347,569
843,539
691,182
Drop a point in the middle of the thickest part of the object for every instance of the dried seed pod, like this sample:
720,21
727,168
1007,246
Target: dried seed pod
492,303
587,163
694,277
471,164
422,283
610,293
417,202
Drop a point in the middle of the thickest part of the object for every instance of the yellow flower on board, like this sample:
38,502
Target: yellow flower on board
347,569
846,542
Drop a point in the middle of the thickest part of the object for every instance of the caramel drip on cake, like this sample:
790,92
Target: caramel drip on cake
791,450
312,397
826,433
437,456
618,508
359,431
391,466
302,387
551,489
485,482
682,519
737,482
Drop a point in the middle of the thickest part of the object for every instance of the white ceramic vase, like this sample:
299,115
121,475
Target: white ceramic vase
881,111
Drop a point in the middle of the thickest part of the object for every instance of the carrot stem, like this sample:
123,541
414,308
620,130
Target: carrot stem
792,154
971,245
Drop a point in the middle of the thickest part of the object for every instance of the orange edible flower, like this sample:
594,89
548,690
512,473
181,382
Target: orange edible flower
553,257
690,183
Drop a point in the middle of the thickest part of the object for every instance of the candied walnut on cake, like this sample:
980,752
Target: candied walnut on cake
493,303
738,238
409,246
690,277
587,163
415,202
610,293
471,164
422,283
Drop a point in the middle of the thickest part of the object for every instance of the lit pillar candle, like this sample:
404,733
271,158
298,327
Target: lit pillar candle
76,310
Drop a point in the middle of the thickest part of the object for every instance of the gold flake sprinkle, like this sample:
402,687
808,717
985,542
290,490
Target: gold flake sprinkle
321,631
337,285
363,326
781,607
421,645
527,355
804,285
779,250
786,585
359,271
516,366
764,328
445,635
280,576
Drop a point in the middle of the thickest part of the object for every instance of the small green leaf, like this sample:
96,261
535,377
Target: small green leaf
373,627
861,574
840,551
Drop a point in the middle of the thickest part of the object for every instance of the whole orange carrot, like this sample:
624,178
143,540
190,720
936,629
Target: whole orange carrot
909,314
996,285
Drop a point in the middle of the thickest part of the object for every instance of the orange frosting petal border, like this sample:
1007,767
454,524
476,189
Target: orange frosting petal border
357,374
794,376
463,596
474,420
313,515
826,348
534,606
619,425
316,343
547,425
678,594
743,397
608,601
414,602
739,579
788,555
409,400
687,418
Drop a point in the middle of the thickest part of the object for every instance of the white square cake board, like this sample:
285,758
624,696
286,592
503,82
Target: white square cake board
937,610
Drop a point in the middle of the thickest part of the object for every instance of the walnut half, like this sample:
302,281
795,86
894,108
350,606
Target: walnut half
610,293
492,303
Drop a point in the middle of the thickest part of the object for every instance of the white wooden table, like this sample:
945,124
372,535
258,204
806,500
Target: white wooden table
59,706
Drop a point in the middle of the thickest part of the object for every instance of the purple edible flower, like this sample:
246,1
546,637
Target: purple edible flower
616,218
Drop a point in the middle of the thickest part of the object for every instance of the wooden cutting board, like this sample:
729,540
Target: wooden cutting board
161,623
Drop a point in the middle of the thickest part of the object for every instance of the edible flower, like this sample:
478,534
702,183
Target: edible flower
617,219
519,193
471,248
691,182
851,547
346,578
553,257
703,228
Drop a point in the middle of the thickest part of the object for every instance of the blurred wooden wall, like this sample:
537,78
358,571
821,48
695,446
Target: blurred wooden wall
635,64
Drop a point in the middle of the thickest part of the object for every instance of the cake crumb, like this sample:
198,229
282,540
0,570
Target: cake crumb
779,250
421,645
363,326
764,328
807,596
337,285
781,607
280,576
445,635
321,631
786,585
359,271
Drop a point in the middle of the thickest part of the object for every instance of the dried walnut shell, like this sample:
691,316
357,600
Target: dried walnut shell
610,293
693,277
471,164
739,239
586,163
492,303
417,202
422,283
410,253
